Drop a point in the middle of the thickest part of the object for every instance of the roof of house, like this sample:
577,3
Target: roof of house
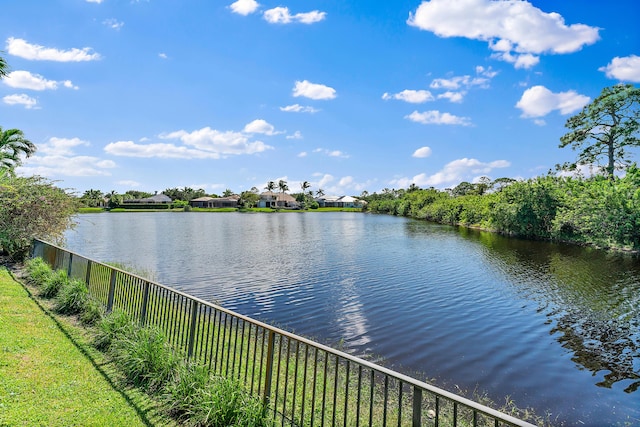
280,197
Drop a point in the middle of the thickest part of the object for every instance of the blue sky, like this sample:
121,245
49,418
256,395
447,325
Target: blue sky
348,95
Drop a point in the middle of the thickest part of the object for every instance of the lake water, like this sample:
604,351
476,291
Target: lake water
555,327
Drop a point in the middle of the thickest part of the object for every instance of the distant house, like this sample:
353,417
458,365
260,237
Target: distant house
155,199
215,202
269,199
339,202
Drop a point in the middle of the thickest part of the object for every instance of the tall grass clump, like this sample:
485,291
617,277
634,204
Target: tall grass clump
92,312
38,271
72,297
196,397
145,357
110,327
53,283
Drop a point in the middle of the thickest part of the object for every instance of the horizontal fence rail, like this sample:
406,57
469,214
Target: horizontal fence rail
301,382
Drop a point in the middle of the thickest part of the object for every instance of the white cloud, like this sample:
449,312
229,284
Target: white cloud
295,135
95,1
516,31
260,126
452,96
411,96
538,101
422,152
297,108
113,23
21,99
61,146
626,69
163,55
435,117
331,153
313,90
159,150
205,143
244,7
281,15
455,172
129,183
59,159
303,154
24,49
26,80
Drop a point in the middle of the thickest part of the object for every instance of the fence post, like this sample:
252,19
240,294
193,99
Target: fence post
87,278
192,330
145,303
417,406
269,372
69,267
112,290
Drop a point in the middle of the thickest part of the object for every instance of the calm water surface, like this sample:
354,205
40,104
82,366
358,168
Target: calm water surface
554,327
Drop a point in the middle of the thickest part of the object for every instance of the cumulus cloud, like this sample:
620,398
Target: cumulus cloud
625,69
95,1
538,101
455,172
333,186
260,126
422,152
21,99
303,154
130,183
163,55
297,108
313,90
517,31
244,7
281,15
26,80
205,143
26,50
411,96
57,158
435,117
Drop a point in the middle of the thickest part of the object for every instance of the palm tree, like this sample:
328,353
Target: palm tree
282,185
4,68
304,186
320,192
12,145
270,186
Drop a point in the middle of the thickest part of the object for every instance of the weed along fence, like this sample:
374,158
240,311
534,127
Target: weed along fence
301,382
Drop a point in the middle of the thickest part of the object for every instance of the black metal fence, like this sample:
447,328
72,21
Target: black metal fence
301,382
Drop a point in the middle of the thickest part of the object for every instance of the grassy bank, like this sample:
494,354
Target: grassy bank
51,375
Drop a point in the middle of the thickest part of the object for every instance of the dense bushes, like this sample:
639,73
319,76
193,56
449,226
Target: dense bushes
594,211
187,391
31,207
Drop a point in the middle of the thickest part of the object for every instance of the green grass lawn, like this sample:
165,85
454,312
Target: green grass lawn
51,375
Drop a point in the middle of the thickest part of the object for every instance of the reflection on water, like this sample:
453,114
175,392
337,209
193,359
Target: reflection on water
553,326
591,296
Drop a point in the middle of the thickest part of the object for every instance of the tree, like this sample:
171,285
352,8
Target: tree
13,144
270,186
304,185
282,185
92,198
31,207
4,68
604,128
319,192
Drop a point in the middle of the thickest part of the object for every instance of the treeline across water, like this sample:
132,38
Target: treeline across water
592,211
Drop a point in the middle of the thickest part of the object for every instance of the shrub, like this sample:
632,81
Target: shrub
72,297
51,286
